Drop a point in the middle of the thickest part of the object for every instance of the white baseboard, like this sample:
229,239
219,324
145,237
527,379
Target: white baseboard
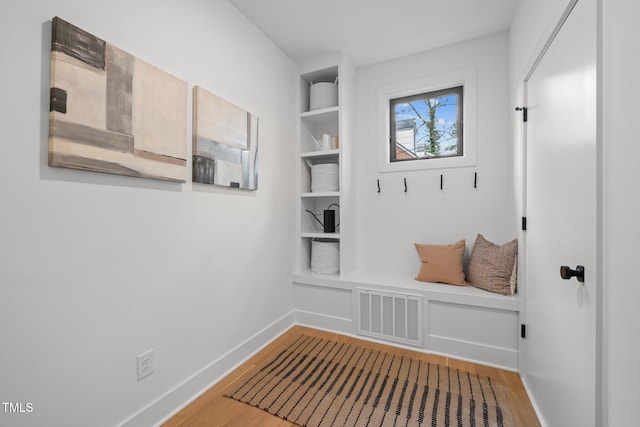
498,357
324,322
536,408
165,407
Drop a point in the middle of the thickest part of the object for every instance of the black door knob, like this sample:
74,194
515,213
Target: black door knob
567,273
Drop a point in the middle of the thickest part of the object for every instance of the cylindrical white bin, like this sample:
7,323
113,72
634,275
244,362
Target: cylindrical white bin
324,177
325,256
323,95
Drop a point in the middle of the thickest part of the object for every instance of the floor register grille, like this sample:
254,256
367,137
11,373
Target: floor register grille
390,316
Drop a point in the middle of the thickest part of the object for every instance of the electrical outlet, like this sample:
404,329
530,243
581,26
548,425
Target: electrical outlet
145,364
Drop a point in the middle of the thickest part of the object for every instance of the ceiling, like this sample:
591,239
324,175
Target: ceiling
371,31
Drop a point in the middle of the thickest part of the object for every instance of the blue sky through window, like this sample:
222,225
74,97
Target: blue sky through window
415,113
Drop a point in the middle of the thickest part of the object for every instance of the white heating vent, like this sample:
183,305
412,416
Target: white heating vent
390,316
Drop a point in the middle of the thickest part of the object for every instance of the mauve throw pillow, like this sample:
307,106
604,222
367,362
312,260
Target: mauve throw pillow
492,267
442,263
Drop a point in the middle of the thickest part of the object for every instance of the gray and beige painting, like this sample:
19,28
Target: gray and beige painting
112,112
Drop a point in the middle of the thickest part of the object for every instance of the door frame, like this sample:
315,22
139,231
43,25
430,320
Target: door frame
541,49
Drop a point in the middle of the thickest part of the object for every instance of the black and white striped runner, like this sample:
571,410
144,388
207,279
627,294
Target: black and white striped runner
319,382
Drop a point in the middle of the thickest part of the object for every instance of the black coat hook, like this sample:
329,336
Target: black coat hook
475,180
405,185
441,183
524,112
378,186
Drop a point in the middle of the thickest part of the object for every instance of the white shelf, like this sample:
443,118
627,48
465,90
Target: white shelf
320,74
308,277
331,111
321,154
312,126
320,235
320,117
324,194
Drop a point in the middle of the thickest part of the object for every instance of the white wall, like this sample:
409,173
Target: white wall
621,150
389,223
96,268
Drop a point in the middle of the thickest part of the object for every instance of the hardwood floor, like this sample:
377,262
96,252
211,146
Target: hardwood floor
213,409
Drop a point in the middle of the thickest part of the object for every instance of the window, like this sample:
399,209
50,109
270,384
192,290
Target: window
400,144
426,125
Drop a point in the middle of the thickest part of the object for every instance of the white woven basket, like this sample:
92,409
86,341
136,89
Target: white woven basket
323,95
324,177
325,256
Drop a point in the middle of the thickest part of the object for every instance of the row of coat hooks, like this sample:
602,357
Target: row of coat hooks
406,189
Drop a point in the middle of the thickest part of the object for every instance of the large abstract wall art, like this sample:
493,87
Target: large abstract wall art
112,112
225,142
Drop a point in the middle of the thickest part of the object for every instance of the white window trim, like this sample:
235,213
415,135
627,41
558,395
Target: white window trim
465,77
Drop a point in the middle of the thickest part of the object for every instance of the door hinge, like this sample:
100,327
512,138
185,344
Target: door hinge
524,223
524,112
523,330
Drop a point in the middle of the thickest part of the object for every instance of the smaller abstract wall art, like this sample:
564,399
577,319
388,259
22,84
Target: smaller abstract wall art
225,142
112,112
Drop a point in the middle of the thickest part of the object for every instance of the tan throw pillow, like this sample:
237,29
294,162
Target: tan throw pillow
493,267
442,263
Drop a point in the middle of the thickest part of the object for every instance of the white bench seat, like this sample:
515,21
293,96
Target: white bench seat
459,321
400,282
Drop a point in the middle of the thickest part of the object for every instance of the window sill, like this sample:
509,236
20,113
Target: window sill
429,164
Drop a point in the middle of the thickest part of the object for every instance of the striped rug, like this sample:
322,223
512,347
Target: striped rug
320,382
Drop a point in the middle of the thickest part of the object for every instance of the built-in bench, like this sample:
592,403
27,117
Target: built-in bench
459,321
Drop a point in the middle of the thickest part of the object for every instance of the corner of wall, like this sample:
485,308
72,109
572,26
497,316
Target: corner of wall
169,404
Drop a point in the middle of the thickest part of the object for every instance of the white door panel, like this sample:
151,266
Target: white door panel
561,224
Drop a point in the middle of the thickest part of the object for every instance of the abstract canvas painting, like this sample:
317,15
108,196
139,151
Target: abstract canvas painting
112,112
225,142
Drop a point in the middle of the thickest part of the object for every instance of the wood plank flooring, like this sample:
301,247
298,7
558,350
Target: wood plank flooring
213,409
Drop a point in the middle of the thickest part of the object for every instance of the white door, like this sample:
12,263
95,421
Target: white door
560,346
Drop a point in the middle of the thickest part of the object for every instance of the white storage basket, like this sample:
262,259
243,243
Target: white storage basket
324,177
325,256
323,95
